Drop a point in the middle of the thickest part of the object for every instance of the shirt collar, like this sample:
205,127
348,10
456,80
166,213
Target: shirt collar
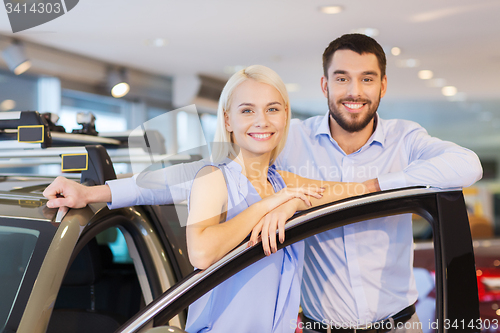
377,136
379,133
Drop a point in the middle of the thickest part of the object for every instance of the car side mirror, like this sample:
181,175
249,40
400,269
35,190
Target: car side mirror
165,329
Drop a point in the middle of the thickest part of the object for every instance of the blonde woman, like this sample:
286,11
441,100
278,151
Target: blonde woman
239,193
242,193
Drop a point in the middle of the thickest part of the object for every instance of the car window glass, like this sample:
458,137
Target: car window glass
20,243
115,240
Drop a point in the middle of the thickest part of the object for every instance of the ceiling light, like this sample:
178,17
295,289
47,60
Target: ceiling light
449,91
118,82
370,32
7,105
159,42
425,74
16,59
156,42
331,9
396,51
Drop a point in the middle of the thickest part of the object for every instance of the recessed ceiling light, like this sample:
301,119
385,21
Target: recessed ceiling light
156,42
7,105
331,9
396,51
425,74
449,90
292,87
371,32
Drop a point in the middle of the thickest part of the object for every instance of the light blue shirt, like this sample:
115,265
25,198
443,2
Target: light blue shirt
265,296
362,272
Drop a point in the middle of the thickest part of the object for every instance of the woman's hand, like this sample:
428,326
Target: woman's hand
289,193
65,192
272,221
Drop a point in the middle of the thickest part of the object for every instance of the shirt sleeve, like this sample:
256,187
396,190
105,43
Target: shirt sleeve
165,186
434,162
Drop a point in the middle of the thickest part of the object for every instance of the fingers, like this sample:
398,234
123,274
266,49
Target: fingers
281,229
254,237
265,236
59,202
55,188
316,192
273,225
267,227
305,199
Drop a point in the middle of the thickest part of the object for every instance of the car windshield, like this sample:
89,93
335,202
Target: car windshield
17,246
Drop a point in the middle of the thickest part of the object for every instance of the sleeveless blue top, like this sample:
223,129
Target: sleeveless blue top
265,296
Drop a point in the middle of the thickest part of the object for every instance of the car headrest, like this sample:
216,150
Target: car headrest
86,269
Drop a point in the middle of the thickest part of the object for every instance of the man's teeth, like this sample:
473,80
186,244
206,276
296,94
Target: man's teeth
354,106
261,136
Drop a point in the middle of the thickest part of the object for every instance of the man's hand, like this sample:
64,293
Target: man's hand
372,185
65,192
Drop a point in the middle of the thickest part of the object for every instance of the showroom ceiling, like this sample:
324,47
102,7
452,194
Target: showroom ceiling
458,40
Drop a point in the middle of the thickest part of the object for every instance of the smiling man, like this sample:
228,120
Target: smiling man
361,274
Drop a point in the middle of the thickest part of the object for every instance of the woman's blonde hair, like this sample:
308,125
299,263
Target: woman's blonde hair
223,143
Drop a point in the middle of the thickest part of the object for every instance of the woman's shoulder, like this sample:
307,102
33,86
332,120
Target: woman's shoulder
210,175
209,187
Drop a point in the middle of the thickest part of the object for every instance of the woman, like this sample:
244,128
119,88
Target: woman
238,194
242,193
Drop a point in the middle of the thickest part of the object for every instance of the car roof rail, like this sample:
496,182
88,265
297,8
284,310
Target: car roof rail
26,134
100,168
27,126
26,140
30,129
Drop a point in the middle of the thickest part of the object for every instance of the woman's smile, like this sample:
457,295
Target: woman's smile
261,136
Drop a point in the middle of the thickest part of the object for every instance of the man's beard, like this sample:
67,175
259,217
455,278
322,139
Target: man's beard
353,122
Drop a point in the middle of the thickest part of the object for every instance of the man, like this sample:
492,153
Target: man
362,273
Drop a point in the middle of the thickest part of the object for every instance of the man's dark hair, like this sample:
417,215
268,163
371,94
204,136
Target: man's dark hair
358,43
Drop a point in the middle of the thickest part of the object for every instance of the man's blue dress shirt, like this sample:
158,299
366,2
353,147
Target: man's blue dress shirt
362,272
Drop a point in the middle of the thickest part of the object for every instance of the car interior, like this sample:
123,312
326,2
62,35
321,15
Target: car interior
98,293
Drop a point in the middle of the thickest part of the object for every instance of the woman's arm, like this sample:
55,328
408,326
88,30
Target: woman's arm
208,239
277,218
333,190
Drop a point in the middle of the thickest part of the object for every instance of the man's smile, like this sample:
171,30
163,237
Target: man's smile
353,107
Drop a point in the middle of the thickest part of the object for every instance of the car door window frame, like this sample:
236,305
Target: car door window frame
456,283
